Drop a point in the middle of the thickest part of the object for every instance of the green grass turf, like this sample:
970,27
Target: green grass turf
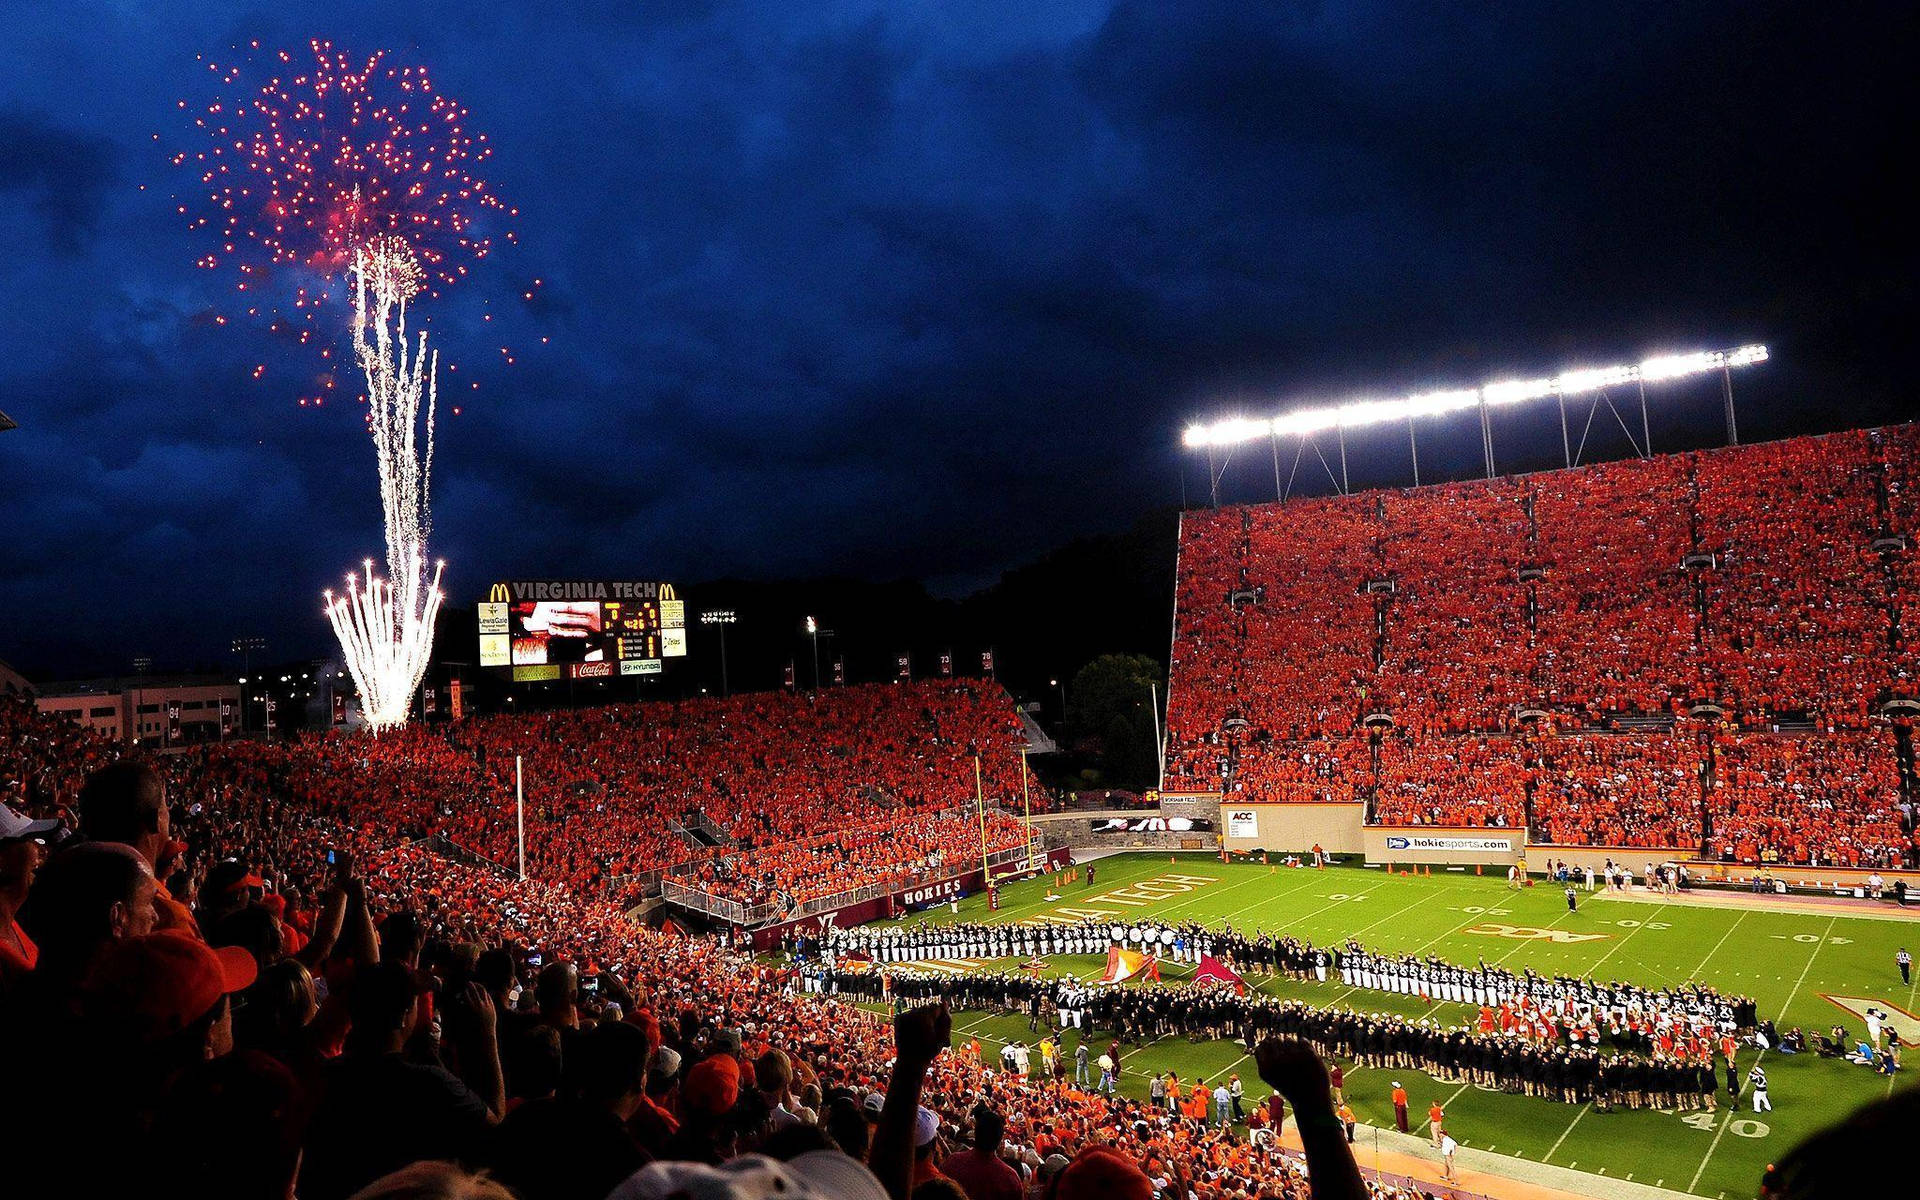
1784,960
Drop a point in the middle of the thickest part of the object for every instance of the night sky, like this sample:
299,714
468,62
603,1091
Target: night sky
919,290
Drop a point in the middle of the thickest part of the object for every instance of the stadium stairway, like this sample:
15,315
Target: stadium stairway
1037,740
701,832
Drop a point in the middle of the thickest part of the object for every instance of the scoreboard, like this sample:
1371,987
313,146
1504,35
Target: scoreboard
581,629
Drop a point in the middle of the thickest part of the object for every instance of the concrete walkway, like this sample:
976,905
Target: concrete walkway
1806,906
1495,1175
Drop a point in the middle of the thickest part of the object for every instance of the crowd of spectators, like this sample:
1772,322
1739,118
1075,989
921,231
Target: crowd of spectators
1796,611
1459,781
1500,628
248,998
1823,800
798,796
1614,789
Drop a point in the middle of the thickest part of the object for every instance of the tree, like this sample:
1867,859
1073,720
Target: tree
1110,718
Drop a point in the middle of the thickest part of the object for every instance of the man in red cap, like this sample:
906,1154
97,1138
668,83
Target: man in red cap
151,1009
1103,1173
166,986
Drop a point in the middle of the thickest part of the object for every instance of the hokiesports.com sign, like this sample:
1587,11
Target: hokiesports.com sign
1483,844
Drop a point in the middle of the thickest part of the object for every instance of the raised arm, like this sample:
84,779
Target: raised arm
919,1036
1296,1072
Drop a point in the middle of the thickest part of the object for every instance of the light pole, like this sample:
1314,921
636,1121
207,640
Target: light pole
1055,683
813,632
1026,799
1159,746
722,617
244,647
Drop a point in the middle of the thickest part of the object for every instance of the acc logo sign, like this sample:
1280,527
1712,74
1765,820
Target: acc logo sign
1530,933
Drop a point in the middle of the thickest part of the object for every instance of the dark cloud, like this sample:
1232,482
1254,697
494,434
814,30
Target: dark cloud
61,174
883,290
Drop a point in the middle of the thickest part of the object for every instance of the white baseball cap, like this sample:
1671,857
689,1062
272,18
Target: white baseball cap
819,1175
14,827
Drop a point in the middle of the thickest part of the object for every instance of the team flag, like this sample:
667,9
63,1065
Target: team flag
1123,965
1212,970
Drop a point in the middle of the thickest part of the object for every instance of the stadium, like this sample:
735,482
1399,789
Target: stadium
1458,796
1628,744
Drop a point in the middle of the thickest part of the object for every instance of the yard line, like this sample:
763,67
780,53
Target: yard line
1569,1129
1594,970
1262,900
1472,918
1716,946
1734,1111
1449,1104
1417,901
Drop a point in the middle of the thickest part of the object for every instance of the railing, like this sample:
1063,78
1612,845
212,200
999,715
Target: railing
736,913
646,883
446,847
720,909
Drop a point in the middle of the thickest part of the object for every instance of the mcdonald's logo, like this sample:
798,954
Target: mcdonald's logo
667,592
499,593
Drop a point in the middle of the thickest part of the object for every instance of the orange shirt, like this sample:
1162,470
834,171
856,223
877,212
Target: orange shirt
1400,1097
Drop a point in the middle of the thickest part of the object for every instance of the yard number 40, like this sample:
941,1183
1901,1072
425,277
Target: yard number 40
1742,1127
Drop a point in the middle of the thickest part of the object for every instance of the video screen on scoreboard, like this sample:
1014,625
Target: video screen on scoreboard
574,631
593,628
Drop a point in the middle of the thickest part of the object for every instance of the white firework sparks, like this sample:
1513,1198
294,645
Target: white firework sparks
385,627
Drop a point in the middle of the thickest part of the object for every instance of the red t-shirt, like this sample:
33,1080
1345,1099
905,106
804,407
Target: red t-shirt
982,1176
17,959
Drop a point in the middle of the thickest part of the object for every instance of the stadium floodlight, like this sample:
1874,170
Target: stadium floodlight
1232,431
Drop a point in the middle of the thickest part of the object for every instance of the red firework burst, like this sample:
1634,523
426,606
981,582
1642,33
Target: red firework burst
308,157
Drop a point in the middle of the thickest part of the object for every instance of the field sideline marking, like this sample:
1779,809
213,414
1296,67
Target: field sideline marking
1449,1104
1734,1110
1912,989
1564,1132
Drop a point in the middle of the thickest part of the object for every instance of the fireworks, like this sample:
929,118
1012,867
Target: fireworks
386,636
386,627
326,170
304,159
306,166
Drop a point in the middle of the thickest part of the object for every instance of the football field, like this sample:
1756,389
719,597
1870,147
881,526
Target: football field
1810,969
